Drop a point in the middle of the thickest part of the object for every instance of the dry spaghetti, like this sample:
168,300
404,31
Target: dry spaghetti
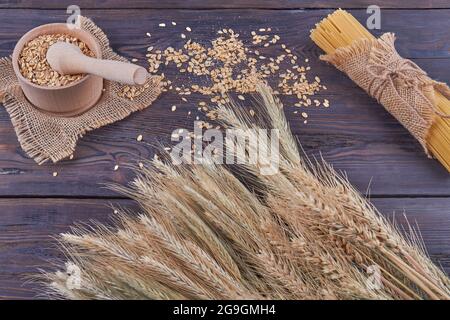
340,31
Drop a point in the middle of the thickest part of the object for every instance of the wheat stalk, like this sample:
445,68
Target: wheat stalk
214,232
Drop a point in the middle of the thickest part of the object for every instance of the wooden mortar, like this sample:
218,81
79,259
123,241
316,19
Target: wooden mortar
69,100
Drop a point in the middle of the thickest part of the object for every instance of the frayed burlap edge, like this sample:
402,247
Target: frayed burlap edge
418,113
45,137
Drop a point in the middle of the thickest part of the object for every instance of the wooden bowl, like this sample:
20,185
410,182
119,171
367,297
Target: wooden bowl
69,100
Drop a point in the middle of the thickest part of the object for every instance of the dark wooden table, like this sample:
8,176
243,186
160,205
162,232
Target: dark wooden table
356,135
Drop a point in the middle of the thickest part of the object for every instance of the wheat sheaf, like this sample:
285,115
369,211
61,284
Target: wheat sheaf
221,232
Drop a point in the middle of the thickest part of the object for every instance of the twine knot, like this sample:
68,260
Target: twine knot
397,72
398,84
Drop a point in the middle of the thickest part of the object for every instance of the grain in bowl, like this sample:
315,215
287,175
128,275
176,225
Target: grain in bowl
33,63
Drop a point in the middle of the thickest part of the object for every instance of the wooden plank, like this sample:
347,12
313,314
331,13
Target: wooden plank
212,4
429,216
28,225
27,231
427,39
355,134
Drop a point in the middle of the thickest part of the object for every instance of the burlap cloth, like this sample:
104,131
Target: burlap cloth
398,84
45,137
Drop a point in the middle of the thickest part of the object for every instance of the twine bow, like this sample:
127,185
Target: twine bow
406,71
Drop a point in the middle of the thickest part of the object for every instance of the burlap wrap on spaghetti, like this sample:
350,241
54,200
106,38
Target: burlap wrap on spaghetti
398,84
45,137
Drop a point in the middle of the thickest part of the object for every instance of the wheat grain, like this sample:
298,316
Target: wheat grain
33,63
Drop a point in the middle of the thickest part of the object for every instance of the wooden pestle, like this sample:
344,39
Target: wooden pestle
67,58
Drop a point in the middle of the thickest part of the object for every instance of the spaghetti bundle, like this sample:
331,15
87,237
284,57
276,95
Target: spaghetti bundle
421,104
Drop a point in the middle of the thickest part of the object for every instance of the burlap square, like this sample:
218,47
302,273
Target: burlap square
45,137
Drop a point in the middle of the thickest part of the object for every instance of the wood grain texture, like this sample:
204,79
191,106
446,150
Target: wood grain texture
28,228
355,134
211,4
421,33
430,216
